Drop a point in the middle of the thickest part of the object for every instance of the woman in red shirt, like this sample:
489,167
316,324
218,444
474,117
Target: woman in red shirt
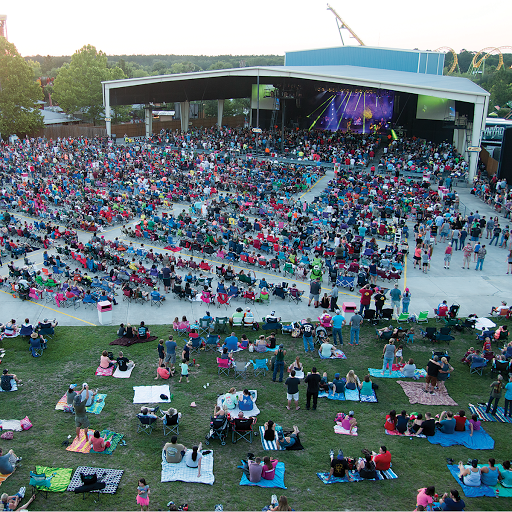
391,420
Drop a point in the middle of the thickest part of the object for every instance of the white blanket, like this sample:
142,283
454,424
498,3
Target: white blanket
150,394
11,425
234,412
124,375
14,387
172,472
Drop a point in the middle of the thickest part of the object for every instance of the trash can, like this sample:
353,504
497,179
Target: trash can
105,312
348,308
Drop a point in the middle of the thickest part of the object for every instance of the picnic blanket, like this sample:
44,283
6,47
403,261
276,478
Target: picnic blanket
11,425
111,477
278,480
173,472
234,412
14,387
114,439
380,475
3,478
126,342
338,354
221,348
351,395
479,410
97,406
150,394
470,492
338,429
106,372
271,445
481,440
118,374
395,373
396,433
416,394
80,444
61,479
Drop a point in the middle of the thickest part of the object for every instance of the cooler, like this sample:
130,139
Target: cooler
105,312
348,310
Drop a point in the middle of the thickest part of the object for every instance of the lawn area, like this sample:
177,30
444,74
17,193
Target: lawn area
73,355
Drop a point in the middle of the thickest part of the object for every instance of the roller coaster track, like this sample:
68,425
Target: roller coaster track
481,56
455,63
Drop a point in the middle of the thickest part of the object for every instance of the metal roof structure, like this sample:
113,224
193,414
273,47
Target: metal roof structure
237,83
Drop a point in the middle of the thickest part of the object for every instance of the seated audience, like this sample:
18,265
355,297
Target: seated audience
490,474
382,459
98,443
470,474
402,421
174,451
452,501
123,363
446,423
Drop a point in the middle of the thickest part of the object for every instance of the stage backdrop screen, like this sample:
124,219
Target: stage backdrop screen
355,110
267,94
435,109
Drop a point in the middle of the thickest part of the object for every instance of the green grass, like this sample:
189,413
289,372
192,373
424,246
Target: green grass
73,356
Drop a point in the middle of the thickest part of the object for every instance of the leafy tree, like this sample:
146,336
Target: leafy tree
18,93
78,84
36,68
221,64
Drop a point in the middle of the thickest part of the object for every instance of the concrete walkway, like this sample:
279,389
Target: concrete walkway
475,291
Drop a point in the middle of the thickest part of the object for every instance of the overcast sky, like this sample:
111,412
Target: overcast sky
201,27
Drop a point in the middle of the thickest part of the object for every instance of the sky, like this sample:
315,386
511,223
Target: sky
201,27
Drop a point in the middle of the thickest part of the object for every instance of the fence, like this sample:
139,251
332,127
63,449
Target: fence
131,129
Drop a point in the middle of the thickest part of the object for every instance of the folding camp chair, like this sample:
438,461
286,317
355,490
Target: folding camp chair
422,317
223,366
211,342
241,369
259,366
204,327
242,428
403,317
196,344
146,423
41,482
221,323
223,299
387,314
171,426
477,365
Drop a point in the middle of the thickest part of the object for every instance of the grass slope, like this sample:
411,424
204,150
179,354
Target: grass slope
73,356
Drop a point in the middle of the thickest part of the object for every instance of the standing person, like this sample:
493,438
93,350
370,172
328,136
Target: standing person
476,250
448,256
489,228
496,391
143,493
161,352
170,353
337,322
366,297
425,260
166,276
81,419
417,255
467,251
395,295
508,398
433,367
334,298
455,238
509,261
279,363
313,381
388,355
292,391
495,235
307,335
355,325
462,237
314,292
406,300
481,257
379,299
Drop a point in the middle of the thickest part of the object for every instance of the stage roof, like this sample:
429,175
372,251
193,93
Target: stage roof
237,83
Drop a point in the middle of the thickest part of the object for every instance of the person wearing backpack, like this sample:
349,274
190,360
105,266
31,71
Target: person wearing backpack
496,390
